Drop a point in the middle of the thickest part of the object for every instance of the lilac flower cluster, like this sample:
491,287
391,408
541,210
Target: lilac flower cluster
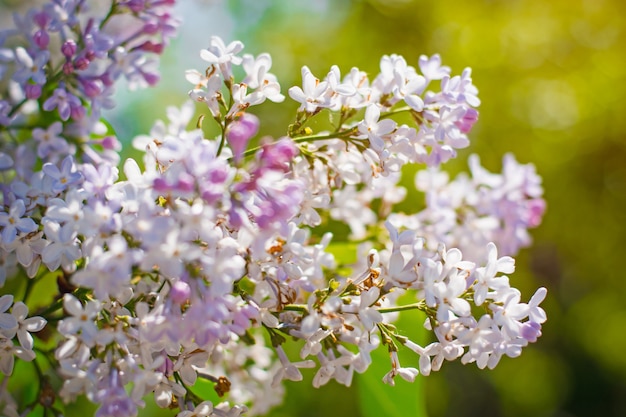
202,262
467,213
59,65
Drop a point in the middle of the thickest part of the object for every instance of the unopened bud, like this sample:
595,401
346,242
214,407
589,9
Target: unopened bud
42,39
68,48
180,292
81,63
240,132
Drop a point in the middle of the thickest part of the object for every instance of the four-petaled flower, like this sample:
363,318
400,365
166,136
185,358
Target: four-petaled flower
13,222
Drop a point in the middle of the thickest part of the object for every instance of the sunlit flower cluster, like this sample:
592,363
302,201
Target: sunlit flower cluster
209,257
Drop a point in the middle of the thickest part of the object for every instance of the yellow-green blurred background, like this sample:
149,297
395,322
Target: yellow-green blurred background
552,79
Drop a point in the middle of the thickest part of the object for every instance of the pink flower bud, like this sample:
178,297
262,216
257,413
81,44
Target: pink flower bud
68,48
136,5
111,143
68,68
240,132
180,292
277,155
467,121
42,39
81,63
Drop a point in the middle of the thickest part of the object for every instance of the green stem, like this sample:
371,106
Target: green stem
29,288
385,337
109,15
222,139
17,107
415,306
323,136
396,111
296,307
56,305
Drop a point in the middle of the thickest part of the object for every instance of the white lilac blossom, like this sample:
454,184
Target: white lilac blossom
202,264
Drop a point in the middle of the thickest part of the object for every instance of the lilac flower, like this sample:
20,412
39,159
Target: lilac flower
25,326
5,110
98,179
510,314
409,86
369,315
204,409
64,177
27,247
289,370
276,201
50,142
432,68
259,77
133,65
242,100
63,249
97,44
531,331
63,101
486,276
374,128
408,374
81,320
31,68
222,55
13,222
536,314
8,351
386,81
8,322
61,13
449,295
344,89
313,94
